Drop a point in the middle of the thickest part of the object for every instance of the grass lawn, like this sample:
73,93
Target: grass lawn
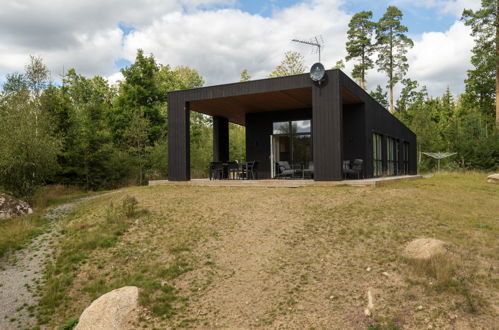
16,232
247,257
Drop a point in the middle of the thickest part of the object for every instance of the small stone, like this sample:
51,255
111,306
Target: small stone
419,308
385,274
368,269
331,297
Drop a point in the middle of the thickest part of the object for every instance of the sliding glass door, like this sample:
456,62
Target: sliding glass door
291,142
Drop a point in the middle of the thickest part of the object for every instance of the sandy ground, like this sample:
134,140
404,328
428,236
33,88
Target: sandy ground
300,258
22,271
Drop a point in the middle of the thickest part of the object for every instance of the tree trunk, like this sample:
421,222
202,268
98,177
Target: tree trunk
362,72
392,108
497,63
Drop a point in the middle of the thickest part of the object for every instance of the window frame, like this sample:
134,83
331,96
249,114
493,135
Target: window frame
377,144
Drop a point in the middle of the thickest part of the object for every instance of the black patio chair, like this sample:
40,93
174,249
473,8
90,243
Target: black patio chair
252,170
216,170
354,169
233,170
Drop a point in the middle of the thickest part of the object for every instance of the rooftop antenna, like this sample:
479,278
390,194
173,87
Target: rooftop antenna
316,41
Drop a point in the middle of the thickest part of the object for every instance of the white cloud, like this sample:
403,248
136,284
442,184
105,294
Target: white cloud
115,78
441,59
219,42
82,34
456,7
438,60
452,7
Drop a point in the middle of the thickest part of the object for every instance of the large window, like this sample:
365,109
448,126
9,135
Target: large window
405,157
377,156
281,127
292,127
293,140
390,156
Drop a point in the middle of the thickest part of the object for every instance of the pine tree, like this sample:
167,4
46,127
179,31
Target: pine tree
482,83
359,44
392,45
339,65
380,96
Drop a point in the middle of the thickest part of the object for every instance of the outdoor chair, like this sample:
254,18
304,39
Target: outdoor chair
252,170
233,169
216,170
284,169
355,168
309,171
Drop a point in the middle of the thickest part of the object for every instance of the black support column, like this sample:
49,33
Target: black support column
220,139
179,167
327,129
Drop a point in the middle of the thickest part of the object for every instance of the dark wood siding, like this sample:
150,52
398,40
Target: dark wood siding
379,120
354,139
178,139
220,139
327,129
245,88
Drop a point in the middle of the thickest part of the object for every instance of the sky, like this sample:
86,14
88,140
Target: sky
220,38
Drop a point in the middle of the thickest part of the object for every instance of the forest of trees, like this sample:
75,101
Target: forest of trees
87,132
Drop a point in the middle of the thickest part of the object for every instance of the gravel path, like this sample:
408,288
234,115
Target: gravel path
22,271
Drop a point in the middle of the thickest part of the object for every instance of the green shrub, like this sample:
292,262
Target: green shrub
69,324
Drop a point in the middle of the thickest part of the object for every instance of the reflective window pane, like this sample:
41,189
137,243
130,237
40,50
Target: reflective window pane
302,150
281,127
301,126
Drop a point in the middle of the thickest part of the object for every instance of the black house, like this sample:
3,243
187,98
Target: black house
295,119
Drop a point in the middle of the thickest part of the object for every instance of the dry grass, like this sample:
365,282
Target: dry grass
15,232
215,257
55,194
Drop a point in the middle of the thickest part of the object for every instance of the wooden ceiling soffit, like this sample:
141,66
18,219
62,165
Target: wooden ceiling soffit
349,97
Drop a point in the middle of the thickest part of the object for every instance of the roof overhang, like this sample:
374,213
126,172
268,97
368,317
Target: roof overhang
234,101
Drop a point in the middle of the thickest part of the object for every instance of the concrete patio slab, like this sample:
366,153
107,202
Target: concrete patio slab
285,183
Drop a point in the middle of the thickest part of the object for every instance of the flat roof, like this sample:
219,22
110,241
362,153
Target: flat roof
234,101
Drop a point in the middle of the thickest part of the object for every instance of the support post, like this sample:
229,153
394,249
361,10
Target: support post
327,129
220,139
179,167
